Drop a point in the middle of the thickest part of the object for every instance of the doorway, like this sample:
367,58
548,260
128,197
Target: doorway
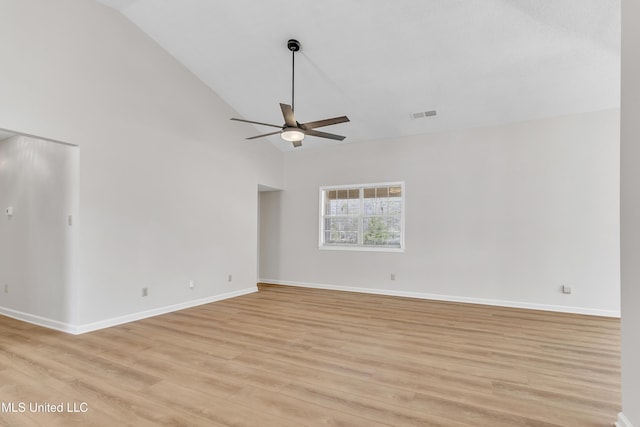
268,233
39,204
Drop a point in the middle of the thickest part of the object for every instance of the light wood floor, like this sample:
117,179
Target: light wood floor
291,357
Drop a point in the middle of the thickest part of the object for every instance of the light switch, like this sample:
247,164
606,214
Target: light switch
9,211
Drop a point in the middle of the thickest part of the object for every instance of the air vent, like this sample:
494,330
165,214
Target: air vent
422,114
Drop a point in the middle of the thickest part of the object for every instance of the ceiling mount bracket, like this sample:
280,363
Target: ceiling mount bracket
293,45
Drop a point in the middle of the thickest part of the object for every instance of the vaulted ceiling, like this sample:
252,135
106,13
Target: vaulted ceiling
477,62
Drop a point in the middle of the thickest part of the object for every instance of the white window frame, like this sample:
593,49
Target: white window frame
361,247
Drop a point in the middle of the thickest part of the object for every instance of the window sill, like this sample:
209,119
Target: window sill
360,249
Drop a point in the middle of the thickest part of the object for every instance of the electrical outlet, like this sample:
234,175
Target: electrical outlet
145,292
566,289
393,276
230,278
191,284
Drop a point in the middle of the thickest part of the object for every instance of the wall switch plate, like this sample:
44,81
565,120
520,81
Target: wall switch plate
566,289
9,211
191,284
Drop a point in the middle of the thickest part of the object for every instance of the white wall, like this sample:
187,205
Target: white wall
167,183
504,215
630,212
38,179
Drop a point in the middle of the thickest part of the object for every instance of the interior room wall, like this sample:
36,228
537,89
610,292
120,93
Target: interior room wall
502,215
630,214
167,190
38,181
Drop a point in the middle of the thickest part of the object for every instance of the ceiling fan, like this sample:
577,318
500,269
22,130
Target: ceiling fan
292,130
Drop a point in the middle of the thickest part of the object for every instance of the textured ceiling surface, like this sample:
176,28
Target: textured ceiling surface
477,62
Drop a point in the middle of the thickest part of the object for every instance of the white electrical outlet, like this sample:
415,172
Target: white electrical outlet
191,284
145,292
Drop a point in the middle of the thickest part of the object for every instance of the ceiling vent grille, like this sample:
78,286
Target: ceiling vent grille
422,114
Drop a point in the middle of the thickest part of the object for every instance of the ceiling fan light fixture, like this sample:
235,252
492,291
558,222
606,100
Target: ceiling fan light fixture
292,134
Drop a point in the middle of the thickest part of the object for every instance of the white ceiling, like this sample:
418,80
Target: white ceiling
477,62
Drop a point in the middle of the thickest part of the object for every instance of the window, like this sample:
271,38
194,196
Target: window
362,217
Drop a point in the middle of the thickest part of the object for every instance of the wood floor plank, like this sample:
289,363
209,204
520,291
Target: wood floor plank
290,356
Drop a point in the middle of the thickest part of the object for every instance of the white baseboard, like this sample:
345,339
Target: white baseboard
38,320
89,327
623,421
452,298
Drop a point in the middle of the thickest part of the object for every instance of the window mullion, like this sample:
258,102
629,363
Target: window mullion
360,218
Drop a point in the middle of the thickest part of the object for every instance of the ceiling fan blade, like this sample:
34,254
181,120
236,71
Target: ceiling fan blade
296,144
324,135
327,122
289,118
257,123
264,134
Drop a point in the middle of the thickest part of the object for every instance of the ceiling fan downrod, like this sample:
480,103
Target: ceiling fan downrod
294,46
